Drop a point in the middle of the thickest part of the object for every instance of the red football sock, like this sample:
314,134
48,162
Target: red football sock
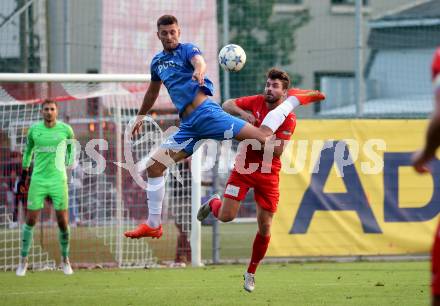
261,243
215,205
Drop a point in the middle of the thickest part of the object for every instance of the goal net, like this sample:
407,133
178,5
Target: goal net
104,199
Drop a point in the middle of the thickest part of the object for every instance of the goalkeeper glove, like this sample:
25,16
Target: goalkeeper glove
21,186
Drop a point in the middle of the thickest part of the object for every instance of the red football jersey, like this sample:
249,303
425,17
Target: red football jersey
435,66
257,105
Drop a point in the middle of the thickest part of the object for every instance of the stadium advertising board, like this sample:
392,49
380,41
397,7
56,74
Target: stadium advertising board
347,188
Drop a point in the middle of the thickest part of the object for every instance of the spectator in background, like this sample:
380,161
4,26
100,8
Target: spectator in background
14,196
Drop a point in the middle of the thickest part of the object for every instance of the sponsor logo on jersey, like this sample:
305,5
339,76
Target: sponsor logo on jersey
232,190
50,149
57,136
165,65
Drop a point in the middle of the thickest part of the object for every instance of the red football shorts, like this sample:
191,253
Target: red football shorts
435,263
266,191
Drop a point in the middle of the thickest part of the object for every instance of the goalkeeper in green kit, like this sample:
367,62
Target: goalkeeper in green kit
48,142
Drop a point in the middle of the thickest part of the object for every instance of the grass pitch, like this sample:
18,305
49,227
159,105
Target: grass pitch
360,283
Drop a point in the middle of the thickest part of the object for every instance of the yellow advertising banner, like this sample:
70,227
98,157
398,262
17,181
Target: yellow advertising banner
347,188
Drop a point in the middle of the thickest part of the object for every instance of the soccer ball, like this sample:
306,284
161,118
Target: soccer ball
232,57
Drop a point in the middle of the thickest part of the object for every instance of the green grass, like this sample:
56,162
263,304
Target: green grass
362,283
85,247
236,240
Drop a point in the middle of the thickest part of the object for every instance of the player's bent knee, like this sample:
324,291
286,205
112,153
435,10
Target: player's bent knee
226,218
155,170
62,226
263,133
31,218
31,222
264,231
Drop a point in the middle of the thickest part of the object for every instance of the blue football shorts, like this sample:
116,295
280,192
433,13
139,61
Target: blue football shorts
207,121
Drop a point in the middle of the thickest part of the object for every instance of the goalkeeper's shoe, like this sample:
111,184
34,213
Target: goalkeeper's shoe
306,96
205,209
249,282
67,268
22,266
143,230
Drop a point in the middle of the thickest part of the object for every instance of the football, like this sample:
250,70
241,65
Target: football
232,57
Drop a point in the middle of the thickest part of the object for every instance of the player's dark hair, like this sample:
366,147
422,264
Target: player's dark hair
166,20
48,101
278,74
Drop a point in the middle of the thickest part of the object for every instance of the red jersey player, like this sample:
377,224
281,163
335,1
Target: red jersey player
420,161
255,169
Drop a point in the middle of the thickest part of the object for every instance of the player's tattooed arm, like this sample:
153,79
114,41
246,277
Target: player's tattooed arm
199,65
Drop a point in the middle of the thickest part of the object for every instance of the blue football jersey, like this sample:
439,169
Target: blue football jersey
174,69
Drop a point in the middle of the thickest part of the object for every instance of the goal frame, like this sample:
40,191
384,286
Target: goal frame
195,235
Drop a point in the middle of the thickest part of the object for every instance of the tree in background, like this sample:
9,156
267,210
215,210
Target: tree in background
267,39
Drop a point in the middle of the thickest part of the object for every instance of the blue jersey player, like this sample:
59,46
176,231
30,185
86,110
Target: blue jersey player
181,68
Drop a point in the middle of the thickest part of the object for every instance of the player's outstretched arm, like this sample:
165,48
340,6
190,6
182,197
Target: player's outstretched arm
148,102
199,65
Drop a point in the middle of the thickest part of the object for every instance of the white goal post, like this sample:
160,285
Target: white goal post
195,226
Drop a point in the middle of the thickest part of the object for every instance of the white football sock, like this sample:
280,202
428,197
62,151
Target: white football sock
155,194
276,117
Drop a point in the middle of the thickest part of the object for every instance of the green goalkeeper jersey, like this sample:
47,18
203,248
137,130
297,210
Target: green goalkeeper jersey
51,150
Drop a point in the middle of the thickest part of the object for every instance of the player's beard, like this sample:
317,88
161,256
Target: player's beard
271,99
49,119
171,45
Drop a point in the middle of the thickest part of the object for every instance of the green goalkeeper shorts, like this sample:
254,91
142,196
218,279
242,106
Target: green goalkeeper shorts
39,191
